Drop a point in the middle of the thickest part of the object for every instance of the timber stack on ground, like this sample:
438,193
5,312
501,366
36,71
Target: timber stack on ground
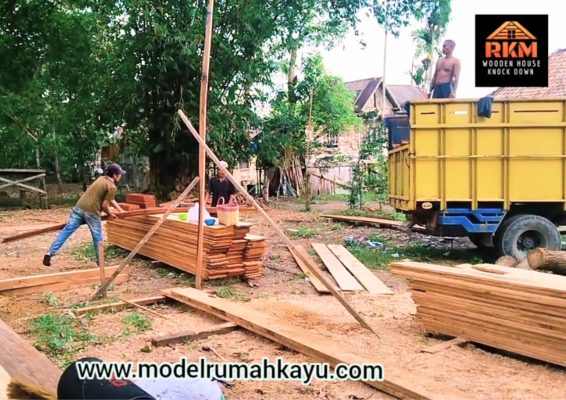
142,200
229,251
515,310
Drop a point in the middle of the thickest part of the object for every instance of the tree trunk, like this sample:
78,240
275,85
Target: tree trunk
58,173
292,76
37,160
548,259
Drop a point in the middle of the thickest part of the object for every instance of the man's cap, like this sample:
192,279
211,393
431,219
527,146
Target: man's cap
114,169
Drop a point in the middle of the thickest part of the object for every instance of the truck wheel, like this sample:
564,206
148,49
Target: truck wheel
481,240
522,233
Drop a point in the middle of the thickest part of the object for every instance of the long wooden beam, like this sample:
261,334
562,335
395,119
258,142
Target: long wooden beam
102,289
165,340
313,268
24,363
396,382
30,178
118,305
55,281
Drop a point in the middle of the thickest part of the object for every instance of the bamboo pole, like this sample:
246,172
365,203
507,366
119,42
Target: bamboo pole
102,290
202,134
313,268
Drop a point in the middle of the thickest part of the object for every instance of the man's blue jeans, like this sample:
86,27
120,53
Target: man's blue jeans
79,217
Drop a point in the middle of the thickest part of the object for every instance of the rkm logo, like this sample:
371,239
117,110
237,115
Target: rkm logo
511,40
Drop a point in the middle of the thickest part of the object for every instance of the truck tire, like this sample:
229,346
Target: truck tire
521,233
481,240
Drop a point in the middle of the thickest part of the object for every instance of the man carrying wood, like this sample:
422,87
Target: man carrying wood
98,197
220,186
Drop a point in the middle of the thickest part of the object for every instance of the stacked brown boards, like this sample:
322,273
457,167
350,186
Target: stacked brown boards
142,200
175,243
516,310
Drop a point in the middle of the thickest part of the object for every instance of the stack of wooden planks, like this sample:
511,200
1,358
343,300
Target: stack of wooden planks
175,243
515,310
348,272
129,207
142,200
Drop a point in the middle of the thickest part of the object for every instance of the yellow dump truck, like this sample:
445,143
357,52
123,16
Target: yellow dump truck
500,180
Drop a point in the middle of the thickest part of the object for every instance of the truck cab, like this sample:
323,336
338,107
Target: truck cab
499,180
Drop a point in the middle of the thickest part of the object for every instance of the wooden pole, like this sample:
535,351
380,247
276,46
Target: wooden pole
102,290
202,134
315,271
101,262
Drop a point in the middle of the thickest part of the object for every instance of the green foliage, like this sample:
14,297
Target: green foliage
331,113
370,175
302,232
135,323
85,252
59,335
50,299
230,292
379,257
436,15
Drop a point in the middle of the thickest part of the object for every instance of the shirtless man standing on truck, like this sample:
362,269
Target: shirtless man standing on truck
445,80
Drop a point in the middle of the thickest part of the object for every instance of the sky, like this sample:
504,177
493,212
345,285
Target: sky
351,62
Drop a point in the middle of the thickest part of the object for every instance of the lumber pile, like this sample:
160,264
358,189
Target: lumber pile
520,311
228,251
142,200
129,207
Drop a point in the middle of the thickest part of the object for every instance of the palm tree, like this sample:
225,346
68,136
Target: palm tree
427,39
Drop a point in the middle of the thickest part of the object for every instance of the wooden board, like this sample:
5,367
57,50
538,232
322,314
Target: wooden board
24,363
519,311
435,348
165,340
366,220
56,281
118,305
367,278
344,279
397,382
318,285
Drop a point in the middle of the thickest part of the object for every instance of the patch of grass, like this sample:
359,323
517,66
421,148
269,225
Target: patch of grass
338,226
275,257
303,232
332,197
178,276
223,282
397,216
135,323
50,299
299,276
230,292
60,336
86,252
380,257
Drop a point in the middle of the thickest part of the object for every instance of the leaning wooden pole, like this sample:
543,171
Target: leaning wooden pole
315,271
202,134
102,290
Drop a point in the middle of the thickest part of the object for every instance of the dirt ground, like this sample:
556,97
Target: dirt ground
478,371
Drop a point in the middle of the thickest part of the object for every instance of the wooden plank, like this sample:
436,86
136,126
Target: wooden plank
435,348
30,178
21,171
397,382
24,235
165,340
366,220
312,267
57,277
118,305
148,310
367,278
318,285
344,279
24,363
59,286
31,188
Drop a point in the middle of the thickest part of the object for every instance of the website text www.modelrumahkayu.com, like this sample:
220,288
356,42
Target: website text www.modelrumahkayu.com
263,370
